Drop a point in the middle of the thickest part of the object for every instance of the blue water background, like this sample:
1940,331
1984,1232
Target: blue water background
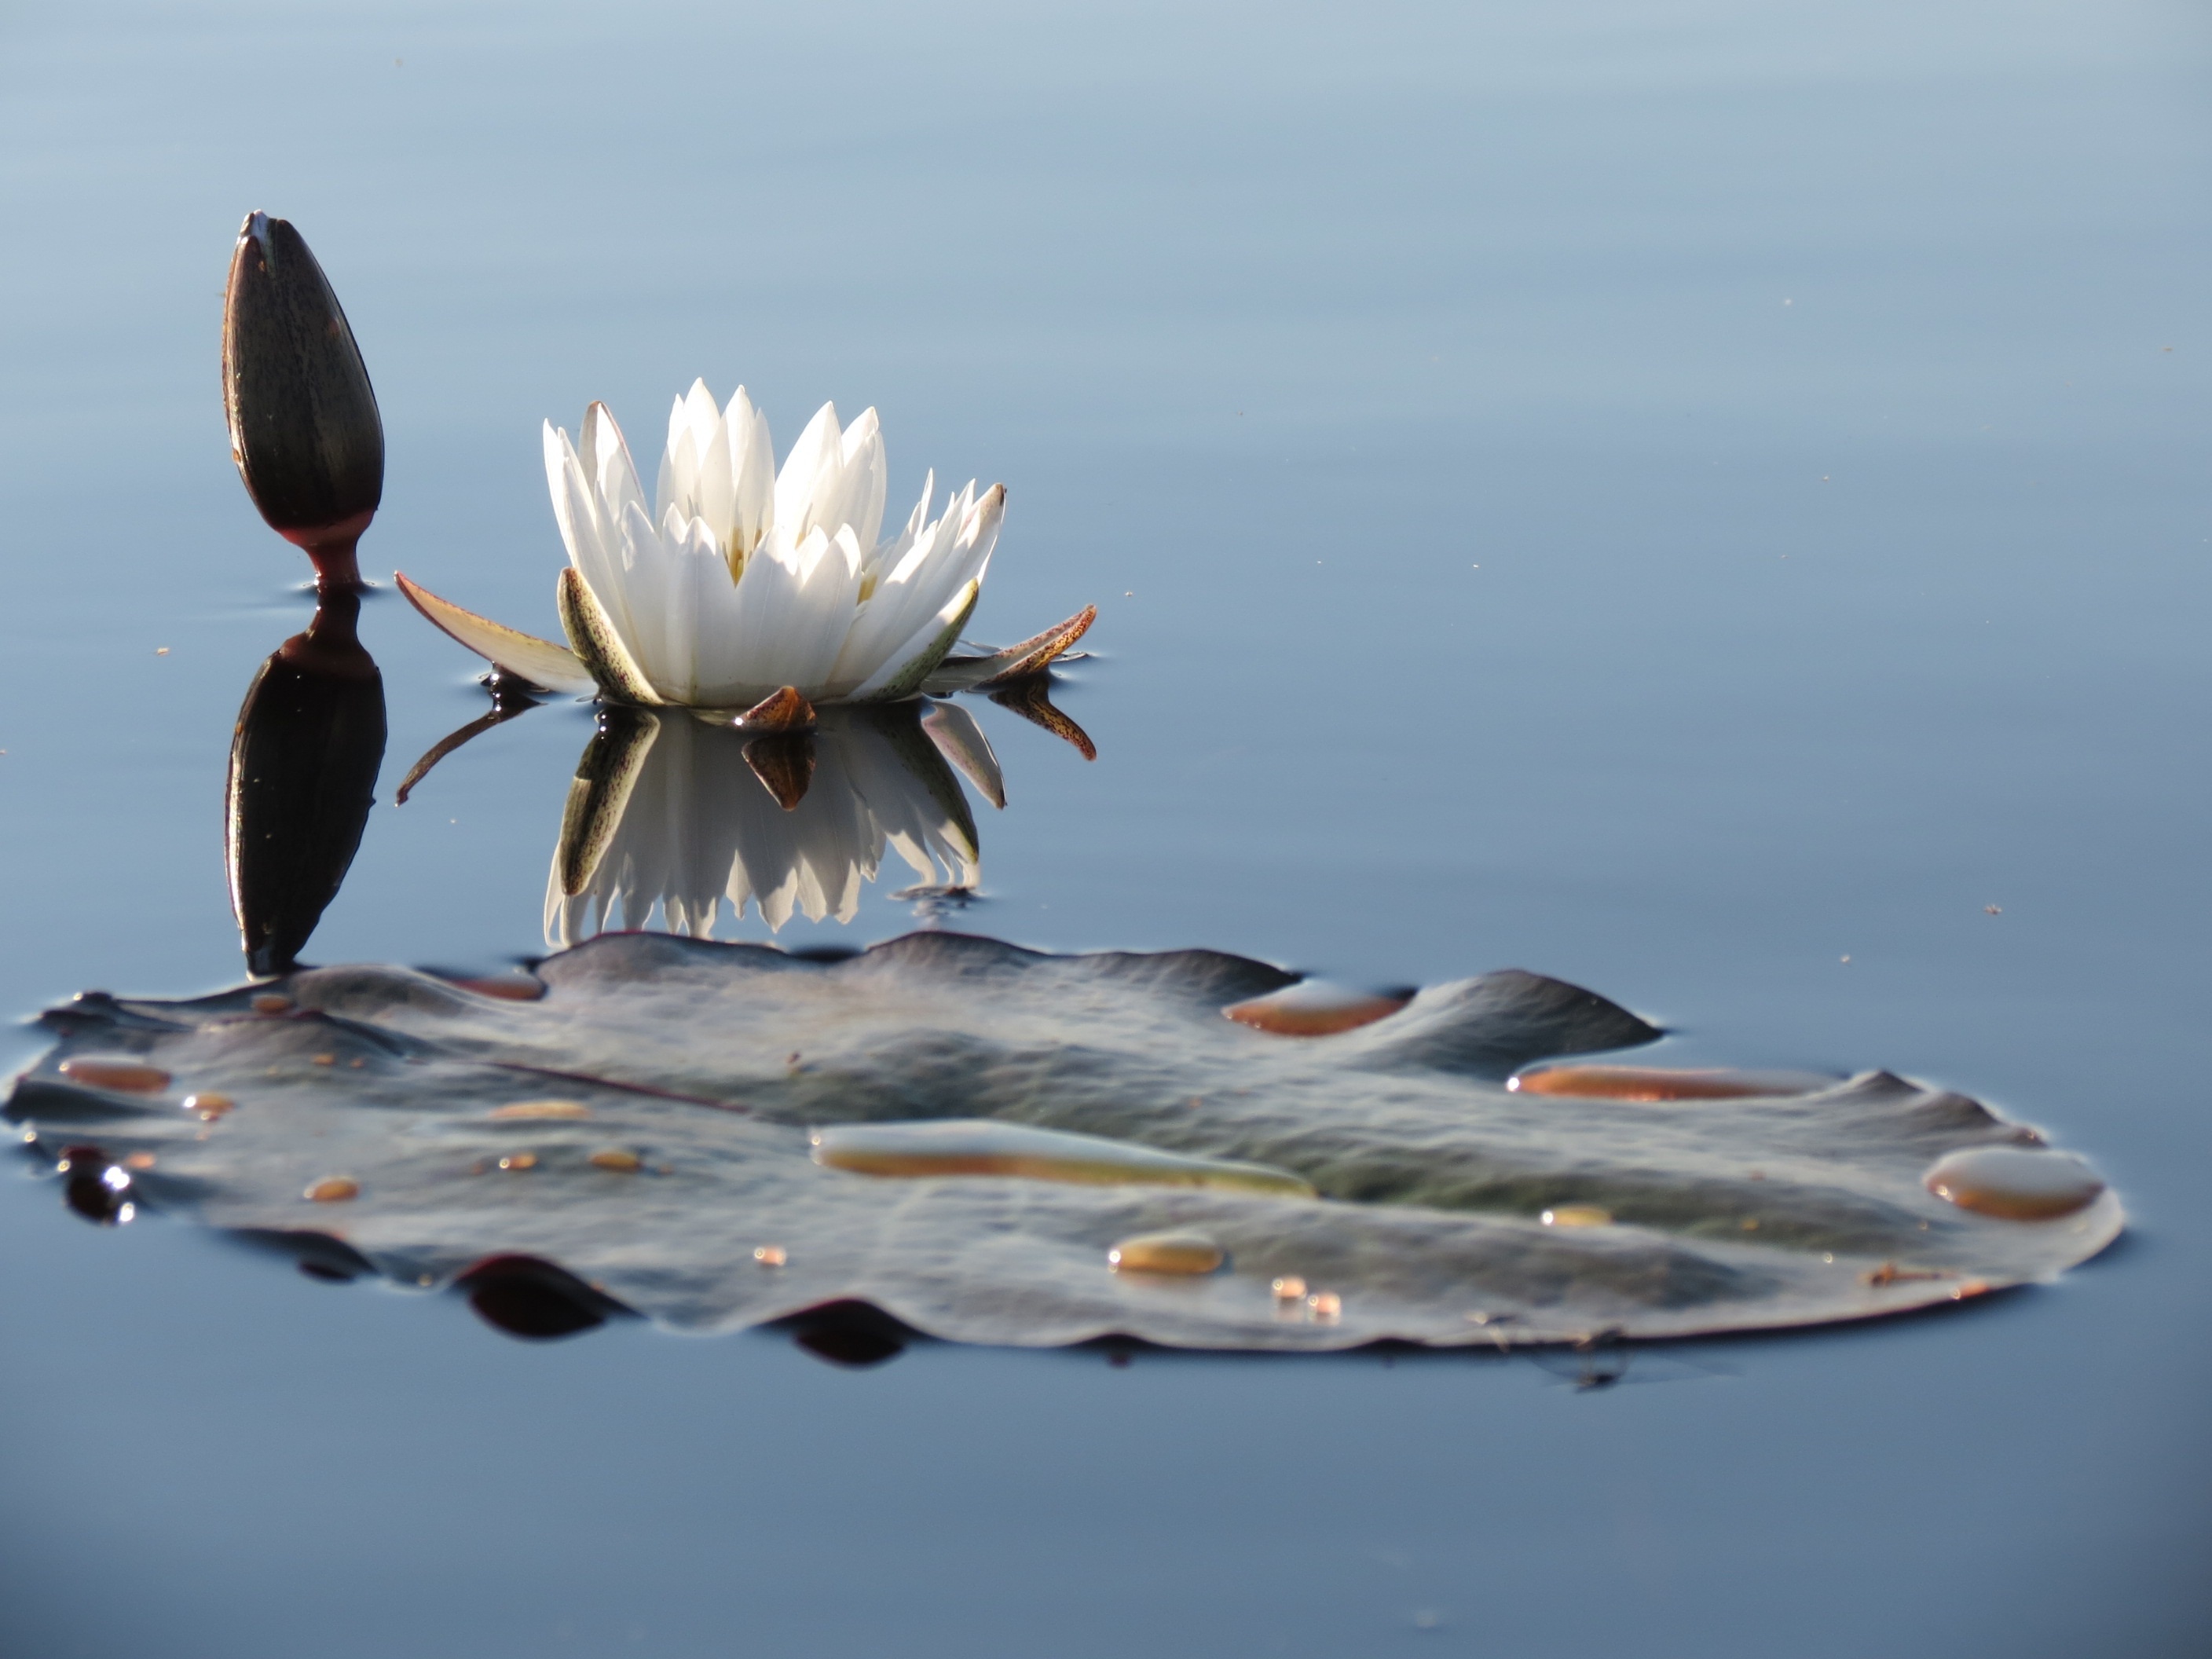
1672,495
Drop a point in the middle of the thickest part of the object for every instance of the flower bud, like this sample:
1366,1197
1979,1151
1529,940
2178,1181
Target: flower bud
304,429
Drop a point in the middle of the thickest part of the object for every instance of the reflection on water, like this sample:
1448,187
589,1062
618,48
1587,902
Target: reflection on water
671,813
303,765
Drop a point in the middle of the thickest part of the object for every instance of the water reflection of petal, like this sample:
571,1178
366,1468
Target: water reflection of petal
672,813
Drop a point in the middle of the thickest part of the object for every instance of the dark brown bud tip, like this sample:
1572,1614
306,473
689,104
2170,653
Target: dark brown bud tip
304,429
780,711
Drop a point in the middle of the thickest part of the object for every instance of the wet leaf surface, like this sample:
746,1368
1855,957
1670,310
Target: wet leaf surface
682,1175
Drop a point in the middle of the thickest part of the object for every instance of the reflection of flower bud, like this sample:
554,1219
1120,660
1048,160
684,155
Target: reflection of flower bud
304,429
303,766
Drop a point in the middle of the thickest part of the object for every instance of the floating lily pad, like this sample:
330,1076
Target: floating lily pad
720,1154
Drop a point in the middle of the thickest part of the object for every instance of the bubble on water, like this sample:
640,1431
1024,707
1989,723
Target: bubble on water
1325,1304
770,1255
129,1077
1180,1252
333,1189
2013,1182
519,1161
1290,1288
1315,1007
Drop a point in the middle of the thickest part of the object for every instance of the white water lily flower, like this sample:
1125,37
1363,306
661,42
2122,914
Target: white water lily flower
742,581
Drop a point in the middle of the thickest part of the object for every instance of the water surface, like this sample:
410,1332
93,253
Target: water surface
1670,499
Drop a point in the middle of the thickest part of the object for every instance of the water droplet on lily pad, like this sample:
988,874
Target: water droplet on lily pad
1314,1007
2013,1182
983,1146
1665,1083
1183,1252
1577,1215
532,1110
129,1077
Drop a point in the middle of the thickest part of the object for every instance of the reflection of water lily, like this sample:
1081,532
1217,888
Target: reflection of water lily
670,811
741,580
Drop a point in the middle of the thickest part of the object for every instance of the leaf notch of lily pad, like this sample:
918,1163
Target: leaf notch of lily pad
591,636
539,661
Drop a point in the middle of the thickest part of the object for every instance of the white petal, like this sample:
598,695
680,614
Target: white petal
607,464
753,460
715,492
794,606
809,474
921,652
867,476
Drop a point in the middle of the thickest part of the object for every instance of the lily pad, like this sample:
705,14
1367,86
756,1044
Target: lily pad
680,1094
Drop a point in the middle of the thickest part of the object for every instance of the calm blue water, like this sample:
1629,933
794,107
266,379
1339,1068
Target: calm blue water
1669,496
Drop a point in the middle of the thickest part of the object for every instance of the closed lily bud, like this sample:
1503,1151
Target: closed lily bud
304,429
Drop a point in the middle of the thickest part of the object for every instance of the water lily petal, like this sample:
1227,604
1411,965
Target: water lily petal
605,454
715,492
582,497
752,461
539,661
593,638
865,482
575,508
902,676
793,608
947,554
809,473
